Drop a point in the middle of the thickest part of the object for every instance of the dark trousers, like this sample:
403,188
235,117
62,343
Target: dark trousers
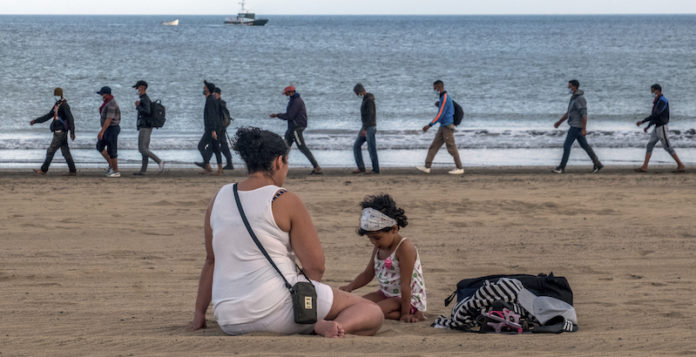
576,134
371,149
225,147
296,136
144,148
60,141
207,146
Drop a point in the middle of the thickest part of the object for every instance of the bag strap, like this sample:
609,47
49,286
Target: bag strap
258,244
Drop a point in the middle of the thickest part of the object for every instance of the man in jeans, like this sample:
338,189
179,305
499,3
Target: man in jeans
577,119
107,143
659,118
296,116
144,108
368,115
61,124
445,134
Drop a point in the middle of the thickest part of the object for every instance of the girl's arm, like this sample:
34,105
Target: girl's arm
363,278
205,284
406,255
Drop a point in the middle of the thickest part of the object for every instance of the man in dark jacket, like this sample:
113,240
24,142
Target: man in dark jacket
577,119
61,124
659,118
224,145
368,115
296,116
144,108
210,142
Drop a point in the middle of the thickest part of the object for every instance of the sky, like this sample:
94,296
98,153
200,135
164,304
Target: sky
348,7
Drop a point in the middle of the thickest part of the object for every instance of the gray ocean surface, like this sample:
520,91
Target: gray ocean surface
508,72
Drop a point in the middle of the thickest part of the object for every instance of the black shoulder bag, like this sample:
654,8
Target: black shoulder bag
304,295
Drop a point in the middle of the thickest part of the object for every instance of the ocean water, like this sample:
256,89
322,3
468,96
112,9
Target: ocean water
508,72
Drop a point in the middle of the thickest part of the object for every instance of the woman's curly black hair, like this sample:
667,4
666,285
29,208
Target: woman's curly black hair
385,204
258,148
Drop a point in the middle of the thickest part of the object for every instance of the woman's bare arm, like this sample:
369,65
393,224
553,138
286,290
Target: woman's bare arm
205,284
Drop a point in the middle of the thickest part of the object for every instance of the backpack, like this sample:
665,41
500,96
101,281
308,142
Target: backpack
458,113
226,118
157,114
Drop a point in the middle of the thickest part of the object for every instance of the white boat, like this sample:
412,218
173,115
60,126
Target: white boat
246,17
171,23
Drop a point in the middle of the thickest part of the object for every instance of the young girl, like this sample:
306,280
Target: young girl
394,262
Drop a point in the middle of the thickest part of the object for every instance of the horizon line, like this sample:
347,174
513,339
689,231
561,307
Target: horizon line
376,14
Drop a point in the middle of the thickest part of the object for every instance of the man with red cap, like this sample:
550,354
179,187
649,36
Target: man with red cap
296,116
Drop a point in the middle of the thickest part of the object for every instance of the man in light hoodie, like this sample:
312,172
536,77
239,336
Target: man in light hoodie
577,119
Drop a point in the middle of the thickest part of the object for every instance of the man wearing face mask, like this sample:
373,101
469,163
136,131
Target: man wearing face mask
212,123
577,119
445,134
296,116
659,118
144,108
368,115
61,124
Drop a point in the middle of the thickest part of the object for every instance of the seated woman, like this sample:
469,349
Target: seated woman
247,293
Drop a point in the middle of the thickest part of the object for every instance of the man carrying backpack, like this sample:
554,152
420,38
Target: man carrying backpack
445,134
226,119
368,115
62,123
144,108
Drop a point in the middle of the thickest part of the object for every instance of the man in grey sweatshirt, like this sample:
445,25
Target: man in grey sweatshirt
577,119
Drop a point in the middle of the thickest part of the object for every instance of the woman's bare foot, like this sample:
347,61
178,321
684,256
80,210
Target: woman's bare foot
330,329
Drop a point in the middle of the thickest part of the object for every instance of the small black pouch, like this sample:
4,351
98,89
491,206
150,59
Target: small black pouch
304,302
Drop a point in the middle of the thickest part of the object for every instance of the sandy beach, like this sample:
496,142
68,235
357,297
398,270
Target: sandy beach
91,266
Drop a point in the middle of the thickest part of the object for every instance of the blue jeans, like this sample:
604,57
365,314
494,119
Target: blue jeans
576,134
371,148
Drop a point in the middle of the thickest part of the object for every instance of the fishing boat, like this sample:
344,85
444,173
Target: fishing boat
171,23
245,17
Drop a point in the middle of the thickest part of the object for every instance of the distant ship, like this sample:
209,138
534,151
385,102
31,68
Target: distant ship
171,23
245,17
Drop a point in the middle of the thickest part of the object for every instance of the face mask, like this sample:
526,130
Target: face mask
58,98
203,92
654,95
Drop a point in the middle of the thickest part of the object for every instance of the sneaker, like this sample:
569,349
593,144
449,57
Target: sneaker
424,169
70,174
456,172
597,168
228,167
200,164
558,170
161,166
39,172
316,172
113,174
139,173
358,172
108,169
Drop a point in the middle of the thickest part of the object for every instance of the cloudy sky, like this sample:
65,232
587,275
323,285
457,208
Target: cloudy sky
349,7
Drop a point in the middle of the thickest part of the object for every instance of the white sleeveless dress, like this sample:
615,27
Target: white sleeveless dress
248,293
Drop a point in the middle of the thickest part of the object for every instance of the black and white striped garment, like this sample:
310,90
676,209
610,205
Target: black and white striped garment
465,313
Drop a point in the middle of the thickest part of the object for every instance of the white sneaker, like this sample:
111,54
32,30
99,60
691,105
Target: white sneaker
161,166
456,172
108,169
113,174
424,169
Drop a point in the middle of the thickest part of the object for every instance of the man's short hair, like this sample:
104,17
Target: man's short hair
217,90
656,87
574,83
438,82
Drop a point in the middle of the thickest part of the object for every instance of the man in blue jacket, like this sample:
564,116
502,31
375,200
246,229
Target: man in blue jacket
659,118
296,116
445,134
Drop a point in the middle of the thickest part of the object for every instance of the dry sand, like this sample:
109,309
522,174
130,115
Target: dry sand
95,266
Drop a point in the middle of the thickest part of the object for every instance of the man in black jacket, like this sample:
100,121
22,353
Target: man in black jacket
659,118
62,123
368,115
144,108
296,116
224,145
209,143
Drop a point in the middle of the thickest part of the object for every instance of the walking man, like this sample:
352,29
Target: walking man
445,134
224,144
659,118
577,119
296,116
210,142
61,124
107,139
368,115
144,108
